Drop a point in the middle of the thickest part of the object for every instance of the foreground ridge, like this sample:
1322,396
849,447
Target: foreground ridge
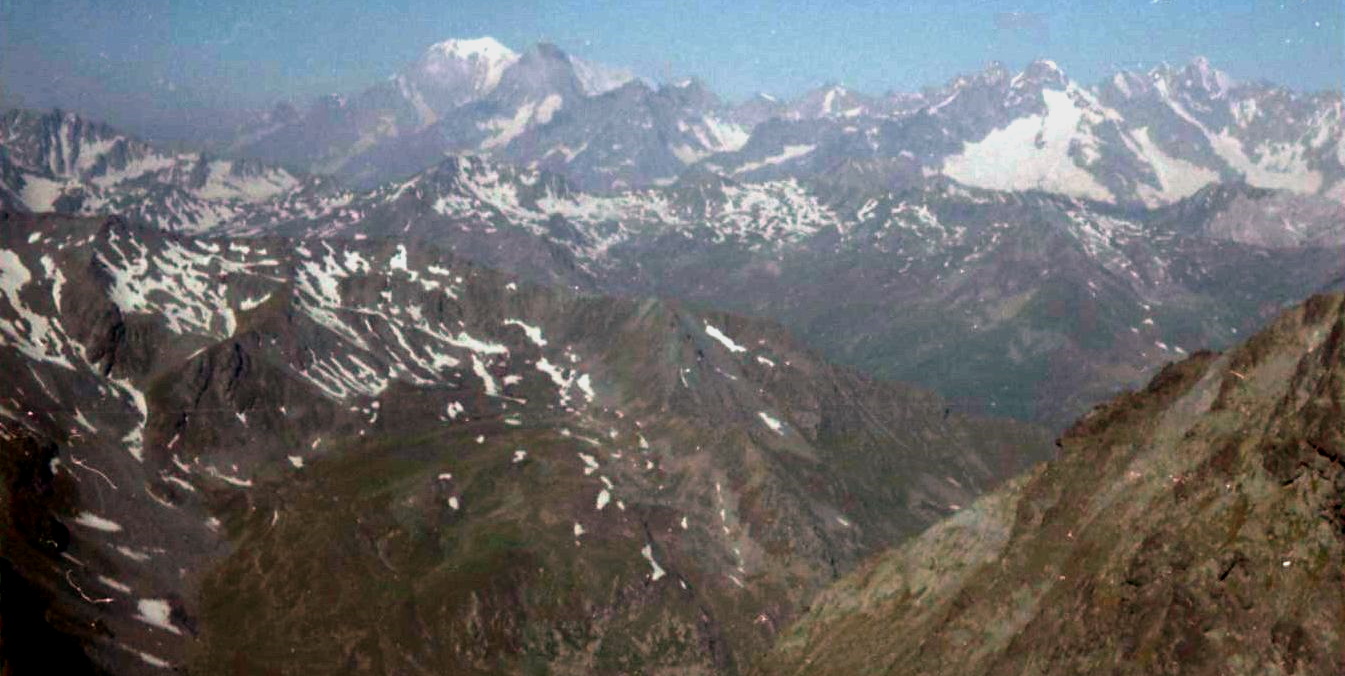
1197,526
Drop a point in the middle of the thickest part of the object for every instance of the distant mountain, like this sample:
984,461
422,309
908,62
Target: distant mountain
633,136
1196,526
597,78
1135,140
832,101
453,73
759,108
1026,304
1138,140
212,447
542,107
61,162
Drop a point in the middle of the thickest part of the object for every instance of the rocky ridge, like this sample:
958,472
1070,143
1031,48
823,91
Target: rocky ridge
1196,526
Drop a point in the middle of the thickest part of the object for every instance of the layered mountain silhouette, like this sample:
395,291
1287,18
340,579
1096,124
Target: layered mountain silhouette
519,363
1029,304
1137,139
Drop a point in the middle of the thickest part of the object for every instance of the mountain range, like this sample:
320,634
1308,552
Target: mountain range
276,455
1023,303
281,456
62,162
1135,139
518,363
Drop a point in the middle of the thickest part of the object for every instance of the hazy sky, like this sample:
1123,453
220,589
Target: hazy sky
141,62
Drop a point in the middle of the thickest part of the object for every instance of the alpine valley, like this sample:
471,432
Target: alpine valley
517,363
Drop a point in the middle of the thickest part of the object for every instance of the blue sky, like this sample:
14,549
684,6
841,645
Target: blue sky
172,57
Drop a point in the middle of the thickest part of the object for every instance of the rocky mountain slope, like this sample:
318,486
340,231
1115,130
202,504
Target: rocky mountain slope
1195,527
283,456
1025,304
1028,304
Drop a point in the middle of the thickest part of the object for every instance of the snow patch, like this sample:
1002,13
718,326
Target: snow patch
534,334
775,425
89,520
713,332
156,613
1031,153
492,387
152,660
788,154
656,570
114,584
1177,178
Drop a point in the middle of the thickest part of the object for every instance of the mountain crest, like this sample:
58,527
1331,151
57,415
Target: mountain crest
453,72
486,48
1045,72
691,92
1214,82
995,72
598,78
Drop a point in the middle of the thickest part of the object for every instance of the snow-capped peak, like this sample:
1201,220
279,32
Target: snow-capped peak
1045,71
597,78
1049,65
829,100
1128,84
485,58
486,48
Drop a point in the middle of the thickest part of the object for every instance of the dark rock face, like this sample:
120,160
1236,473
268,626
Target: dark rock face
35,636
284,456
1192,527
